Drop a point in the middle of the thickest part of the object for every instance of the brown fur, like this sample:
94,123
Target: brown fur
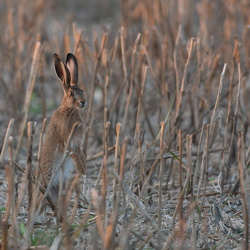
60,127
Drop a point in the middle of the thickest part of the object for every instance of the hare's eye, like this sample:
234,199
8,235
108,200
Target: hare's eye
72,93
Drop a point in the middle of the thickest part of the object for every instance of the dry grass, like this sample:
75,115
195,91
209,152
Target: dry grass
167,133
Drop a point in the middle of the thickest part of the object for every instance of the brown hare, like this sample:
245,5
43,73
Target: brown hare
59,129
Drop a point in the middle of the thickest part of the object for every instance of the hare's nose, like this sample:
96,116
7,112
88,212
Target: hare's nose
83,103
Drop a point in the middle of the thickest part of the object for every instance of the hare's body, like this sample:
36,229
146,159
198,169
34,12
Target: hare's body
59,129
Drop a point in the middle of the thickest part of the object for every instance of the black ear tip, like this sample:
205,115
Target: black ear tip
71,56
56,57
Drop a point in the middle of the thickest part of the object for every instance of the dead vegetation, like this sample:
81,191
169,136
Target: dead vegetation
167,84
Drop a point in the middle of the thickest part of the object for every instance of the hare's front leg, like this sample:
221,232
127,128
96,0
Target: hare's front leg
79,160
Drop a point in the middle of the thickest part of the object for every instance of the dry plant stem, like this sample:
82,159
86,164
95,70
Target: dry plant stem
30,133
225,170
105,115
180,159
100,154
150,65
124,66
142,170
117,144
67,242
73,186
6,139
134,53
144,72
122,161
176,69
160,180
163,94
184,80
114,49
10,204
206,163
187,184
212,129
29,91
41,77
67,43
244,187
110,230
98,218
77,38
105,173
38,169
179,205
202,164
94,82
238,91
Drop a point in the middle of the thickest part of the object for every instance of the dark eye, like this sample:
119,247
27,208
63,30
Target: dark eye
72,93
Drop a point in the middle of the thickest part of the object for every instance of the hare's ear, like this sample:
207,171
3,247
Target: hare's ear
62,72
72,65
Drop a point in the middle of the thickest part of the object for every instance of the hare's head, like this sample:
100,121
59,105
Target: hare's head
68,75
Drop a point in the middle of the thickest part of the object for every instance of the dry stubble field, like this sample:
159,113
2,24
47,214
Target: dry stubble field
167,140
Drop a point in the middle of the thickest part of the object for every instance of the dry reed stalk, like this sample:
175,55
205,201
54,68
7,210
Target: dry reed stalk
160,181
134,54
117,149
105,172
67,43
29,91
164,93
187,185
225,170
41,76
74,186
244,187
233,139
185,79
77,38
67,242
177,73
144,73
100,154
30,132
114,49
122,161
10,203
204,161
94,82
141,163
197,165
124,66
179,206
109,240
6,139
27,177
180,159
98,218
38,168
107,80
218,98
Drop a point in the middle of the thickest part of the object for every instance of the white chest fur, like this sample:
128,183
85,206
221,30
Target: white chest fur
67,169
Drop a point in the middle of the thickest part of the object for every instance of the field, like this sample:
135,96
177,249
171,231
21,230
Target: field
167,138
